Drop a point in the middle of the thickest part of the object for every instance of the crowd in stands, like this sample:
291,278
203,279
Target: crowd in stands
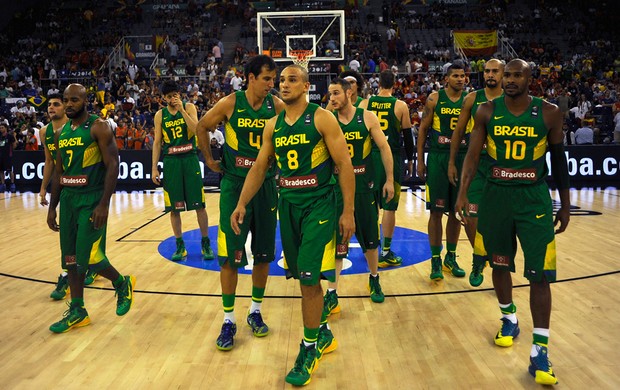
46,48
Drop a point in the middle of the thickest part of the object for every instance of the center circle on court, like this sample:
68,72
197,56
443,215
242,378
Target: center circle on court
411,245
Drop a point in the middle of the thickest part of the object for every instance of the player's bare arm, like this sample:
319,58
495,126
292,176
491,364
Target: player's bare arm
470,165
48,169
156,148
402,113
553,120
327,125
56,188
256,175
373,125
222,111
458,134
425,124
101,133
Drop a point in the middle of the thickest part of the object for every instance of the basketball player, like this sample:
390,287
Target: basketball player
357,88
358,126
56,112
175,127
493,72
245,114
394,118
306,141
84,180
47,135
515,202
440,115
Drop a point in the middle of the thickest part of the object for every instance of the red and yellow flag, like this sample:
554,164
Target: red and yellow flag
476,42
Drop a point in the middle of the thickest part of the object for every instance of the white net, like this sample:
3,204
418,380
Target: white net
301,57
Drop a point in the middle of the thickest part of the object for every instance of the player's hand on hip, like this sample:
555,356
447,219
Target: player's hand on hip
155,176
563,217
215,166
51,220
236,219
346,225
453,174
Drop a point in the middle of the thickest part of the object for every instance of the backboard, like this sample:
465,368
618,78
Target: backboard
323,32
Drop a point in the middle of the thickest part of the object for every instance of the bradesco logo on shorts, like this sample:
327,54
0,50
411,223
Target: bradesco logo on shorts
299,181
514,174
244,162
74,181
180,149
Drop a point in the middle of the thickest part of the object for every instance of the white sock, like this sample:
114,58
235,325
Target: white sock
512,316
229,317
375,275
255,307
384,252
535,347
308,344
331,290
64,273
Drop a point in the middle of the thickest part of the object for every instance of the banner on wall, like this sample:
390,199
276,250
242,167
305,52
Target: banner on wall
476,42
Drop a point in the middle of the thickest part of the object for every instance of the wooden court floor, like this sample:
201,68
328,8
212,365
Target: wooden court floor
426,335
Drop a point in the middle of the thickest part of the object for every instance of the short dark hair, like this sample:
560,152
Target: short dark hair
255,65
345,84
386,79
54,96
169,86
454,67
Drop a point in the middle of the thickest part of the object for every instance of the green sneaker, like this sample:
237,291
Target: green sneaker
255,321
74,317
180,254
436,272
390,260
124,292
450,264
326,342
207,252
62,288
90,277
476,277
305,364
376,295
330,303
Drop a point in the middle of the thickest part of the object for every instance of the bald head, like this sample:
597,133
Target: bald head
519,65
303,71
76,89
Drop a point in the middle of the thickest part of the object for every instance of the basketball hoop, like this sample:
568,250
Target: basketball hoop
301,57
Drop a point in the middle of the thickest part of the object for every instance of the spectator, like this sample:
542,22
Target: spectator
354,64
236,83
31,141
217,138
617,128
128,102
121,134
8,143
584,135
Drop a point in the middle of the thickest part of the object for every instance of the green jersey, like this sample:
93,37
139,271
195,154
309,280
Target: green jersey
177,139
445,118
357,101
49,142
81,158
517,144
383,107
359,144
244,135
306,167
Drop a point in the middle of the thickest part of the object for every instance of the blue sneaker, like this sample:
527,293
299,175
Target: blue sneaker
12,187
2,187
540,367
507,333
255,321
226,341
